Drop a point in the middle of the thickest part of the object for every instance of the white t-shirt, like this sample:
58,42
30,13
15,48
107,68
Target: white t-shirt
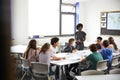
44,58
53,51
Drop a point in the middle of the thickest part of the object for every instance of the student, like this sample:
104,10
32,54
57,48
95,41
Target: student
94,57
107,52
54,44
44,56
32,52
70,49
99,43
113,45
80,37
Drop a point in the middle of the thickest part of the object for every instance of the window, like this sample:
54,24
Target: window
44,17
67,19
51,18
68,8
68,23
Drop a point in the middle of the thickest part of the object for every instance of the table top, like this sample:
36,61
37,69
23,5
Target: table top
70,57
20,49
99,77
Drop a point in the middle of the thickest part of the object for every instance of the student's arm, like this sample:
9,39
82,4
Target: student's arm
83,58
57,58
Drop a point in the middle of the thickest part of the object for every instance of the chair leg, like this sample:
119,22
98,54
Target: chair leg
23,75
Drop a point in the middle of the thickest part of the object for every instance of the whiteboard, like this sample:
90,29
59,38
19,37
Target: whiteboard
113,21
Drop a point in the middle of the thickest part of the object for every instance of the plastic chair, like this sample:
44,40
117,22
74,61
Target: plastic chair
114,71
102,65
40,71
25,66
91,72
115,62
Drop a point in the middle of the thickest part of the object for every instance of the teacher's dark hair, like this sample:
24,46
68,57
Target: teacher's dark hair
79,25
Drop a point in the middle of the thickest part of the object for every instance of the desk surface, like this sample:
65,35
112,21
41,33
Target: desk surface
70,57
18,48
99,77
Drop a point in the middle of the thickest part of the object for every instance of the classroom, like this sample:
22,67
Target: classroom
57,23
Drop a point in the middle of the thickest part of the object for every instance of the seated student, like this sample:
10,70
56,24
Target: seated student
112,44
44,56
54,44
99,43
93,58
107,52
71,49
32,52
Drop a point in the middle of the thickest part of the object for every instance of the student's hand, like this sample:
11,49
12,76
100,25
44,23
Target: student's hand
75,50
63,58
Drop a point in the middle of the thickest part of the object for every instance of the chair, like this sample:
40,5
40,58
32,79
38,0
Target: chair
115,62
102,65
114,71
25,66
40,71
91,72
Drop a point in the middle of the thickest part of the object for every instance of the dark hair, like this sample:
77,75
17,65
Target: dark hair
105,43
71,40
100,38
32,44
79,25
93,47
45,47
111,41
54,40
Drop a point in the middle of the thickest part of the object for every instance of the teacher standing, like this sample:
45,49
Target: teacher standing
80,37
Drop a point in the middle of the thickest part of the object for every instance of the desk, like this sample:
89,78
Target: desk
70,59
116,54
18,49
99,77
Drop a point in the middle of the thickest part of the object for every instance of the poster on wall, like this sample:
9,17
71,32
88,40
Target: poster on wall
110,23
113,21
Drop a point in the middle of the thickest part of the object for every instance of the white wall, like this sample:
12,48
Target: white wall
89,16
92,9
20,21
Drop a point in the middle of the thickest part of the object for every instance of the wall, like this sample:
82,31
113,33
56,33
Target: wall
20,21
92,17
89,16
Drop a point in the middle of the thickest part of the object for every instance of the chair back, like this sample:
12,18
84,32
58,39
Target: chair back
115,61
114,71
102,65
91,72
25,62
40,70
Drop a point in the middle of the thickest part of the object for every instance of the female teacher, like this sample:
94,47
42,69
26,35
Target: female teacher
80,37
